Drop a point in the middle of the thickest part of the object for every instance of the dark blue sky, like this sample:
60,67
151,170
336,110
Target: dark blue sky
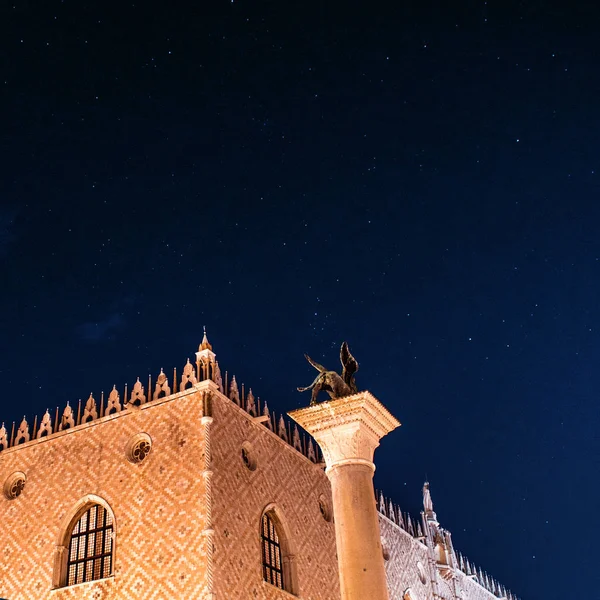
421,180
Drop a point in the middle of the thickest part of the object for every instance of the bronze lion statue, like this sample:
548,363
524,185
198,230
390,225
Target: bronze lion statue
337,386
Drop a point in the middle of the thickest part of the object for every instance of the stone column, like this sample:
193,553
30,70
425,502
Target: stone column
348,430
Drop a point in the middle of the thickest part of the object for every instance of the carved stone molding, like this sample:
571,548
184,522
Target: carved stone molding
347,429
138,447
14,485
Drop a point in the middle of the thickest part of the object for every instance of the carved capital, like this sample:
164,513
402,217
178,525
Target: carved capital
347,429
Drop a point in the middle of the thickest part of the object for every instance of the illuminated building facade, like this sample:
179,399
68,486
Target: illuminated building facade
189,487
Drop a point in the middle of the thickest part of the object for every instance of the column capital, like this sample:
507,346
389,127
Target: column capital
347,429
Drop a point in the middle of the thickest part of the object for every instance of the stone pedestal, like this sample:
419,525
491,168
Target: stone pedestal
348,430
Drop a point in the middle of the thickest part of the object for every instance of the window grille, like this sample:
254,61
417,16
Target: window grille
91,546
271,549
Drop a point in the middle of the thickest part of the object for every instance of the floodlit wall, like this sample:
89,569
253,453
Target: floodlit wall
406,564
278,477
469,589
187,515
157,504
413,574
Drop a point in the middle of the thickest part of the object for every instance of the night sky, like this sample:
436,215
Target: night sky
421,180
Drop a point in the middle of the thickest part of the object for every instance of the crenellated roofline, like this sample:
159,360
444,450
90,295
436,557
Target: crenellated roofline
204,368
423,529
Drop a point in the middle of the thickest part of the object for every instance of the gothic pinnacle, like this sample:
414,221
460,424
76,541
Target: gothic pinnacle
205,345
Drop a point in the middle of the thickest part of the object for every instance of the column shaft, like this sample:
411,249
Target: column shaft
360,556
348,430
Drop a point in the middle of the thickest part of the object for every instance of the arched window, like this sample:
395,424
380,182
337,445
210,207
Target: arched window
278,558
86,550
271,551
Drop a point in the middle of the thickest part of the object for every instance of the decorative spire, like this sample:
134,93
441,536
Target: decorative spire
428,505
22,433
391,512
67,420
234,393
381,503
45,425
281,431
267,414
161,389
188,377
296,439
250,403
114,402
3,438
409,526
90,411
205,345
419,530
206,363
469,569
137,394
400,518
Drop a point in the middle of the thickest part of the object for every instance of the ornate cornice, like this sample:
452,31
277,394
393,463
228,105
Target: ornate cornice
347,429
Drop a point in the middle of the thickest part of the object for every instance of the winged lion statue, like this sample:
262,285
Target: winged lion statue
337,386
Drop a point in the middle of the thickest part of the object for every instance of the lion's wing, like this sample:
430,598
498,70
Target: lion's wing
349,363
316,365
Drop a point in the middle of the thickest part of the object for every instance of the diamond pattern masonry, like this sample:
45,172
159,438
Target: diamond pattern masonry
158,505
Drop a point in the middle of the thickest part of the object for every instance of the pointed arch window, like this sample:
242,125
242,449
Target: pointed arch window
272,558
278,554
90,552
